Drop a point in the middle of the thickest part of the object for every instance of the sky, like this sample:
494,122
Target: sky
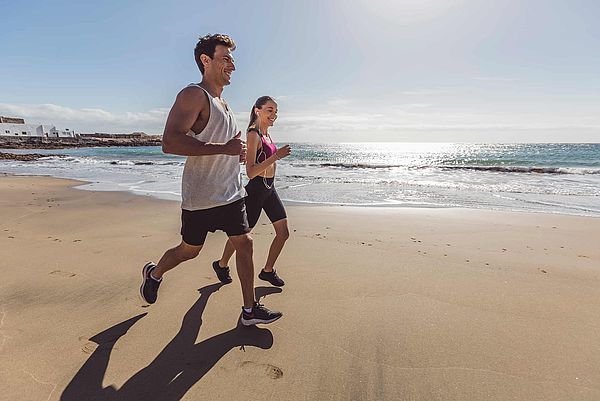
341,70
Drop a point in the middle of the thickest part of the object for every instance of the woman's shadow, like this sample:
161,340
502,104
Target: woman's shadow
180,365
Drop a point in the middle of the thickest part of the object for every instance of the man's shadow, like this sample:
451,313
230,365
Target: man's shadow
180,365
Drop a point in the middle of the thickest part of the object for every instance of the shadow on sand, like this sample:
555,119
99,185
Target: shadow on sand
180,365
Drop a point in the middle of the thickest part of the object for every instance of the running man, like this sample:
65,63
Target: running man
202,127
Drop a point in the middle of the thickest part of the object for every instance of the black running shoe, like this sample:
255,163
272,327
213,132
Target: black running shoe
149,288
222,272
272,278
259,314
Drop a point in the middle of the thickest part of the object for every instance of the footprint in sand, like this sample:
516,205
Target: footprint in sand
274,372
89,347
61,273
270,371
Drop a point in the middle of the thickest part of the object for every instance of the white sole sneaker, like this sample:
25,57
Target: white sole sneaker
252,322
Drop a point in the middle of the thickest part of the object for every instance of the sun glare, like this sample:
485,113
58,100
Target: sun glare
406,11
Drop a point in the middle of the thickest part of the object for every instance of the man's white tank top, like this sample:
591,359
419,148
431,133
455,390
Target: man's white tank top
212,180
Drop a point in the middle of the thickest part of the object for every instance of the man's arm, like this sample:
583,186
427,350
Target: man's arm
189,104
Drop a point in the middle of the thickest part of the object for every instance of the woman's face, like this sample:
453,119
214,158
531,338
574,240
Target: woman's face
267,114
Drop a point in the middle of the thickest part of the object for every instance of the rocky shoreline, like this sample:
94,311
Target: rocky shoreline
79,142
24,157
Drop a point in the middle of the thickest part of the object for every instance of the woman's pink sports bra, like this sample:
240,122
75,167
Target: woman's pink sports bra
267,149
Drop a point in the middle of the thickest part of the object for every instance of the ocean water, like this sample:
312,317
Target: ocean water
549,178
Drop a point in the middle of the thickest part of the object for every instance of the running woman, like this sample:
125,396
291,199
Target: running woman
262,155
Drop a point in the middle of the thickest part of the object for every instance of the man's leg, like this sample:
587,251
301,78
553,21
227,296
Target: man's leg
152,274
237,230
227,254
175,256
221,266
242,245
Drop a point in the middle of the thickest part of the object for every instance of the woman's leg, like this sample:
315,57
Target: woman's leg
282,233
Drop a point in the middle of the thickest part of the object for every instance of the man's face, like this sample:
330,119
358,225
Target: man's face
222,65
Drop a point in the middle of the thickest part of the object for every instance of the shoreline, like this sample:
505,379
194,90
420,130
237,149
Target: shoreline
306,177
288,202
24,156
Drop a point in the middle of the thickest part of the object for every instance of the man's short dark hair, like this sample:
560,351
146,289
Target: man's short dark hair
207,44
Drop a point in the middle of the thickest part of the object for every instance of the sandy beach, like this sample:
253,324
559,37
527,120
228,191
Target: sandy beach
380,304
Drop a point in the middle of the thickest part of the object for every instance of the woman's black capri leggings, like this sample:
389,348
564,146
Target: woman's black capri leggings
261,197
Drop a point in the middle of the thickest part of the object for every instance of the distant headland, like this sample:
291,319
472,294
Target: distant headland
16,134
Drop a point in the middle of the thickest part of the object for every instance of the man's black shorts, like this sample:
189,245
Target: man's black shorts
230,218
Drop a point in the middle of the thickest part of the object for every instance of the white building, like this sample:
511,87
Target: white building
33,130
7,129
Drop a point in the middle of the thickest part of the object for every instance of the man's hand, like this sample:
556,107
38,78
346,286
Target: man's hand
236,147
